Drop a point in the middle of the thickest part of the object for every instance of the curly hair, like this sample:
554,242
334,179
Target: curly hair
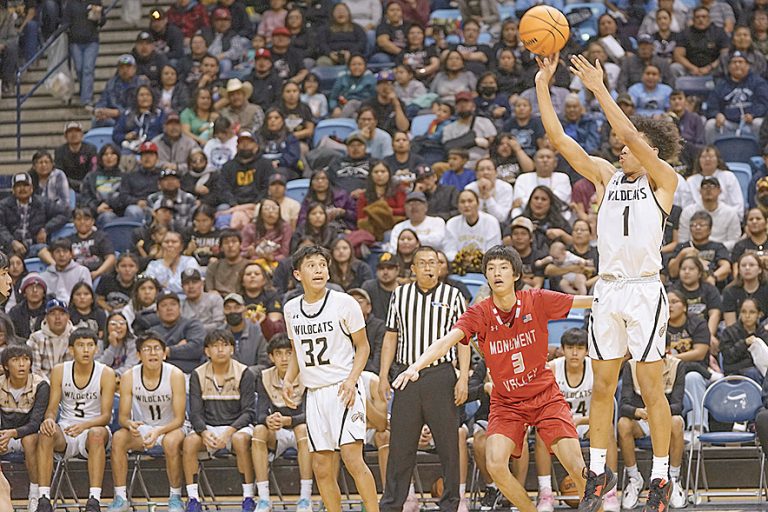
661,134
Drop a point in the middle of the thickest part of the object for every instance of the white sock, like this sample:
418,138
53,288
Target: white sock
545,482
192,492
462,490
45,491
633,472
597,458
492,485
306,490
247,490
660,468
121,491
95,492
674,473
34,490
263,488
411,489
175,491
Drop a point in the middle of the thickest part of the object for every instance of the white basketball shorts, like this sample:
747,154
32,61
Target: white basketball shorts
330,424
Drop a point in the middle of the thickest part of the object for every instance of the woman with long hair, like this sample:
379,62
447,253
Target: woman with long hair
346,270
509,74
755,237
204,239
114,291
278,145
197,119
702,298
298,116
339,38
546,211
17,269
352,88
608,26
120,353
101,187
510,158
141,311
257,290
84,311
173,96
300,38
269,237
453,78
339,205
381,186
317,227
736,339
167,269
423,59
711,163
407,243
750,281
142,122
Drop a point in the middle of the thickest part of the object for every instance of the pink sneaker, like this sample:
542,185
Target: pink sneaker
611,502
546,501
411,503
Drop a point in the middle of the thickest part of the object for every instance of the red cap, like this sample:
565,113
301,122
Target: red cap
463,96
263,53
281,31
148,147
221,13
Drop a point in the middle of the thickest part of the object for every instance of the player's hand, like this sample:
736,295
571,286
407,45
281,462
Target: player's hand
75,430
385,390
547,67
641,413
460,391
133,428
591,76
48,427
210,440
347,392
151,438
408,375
275,421
289,389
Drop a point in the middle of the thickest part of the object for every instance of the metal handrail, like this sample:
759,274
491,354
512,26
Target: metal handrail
20,99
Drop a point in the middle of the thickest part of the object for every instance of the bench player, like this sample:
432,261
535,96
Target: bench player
630,308
5,292
82,392
330,350
153,401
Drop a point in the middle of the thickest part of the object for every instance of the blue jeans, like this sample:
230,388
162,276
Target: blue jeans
84,59
30,39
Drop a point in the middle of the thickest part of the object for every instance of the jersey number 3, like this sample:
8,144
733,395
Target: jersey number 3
309,352
518,365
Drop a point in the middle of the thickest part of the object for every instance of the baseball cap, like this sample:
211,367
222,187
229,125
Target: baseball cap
72,125
385,76
245,134
173,117
277,178
360,292
191,274
625,98
463,96
645,38
736,54
30,279
262,53
156,14
423,171
388,259
522,222
236,297
166,203
145,36
148,147
710,180
281,31
354,137
167,294
126,59
21,177
416,196
168,173
55,304
221,13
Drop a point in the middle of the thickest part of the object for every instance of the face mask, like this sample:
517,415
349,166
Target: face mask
234,318
464,115
488,91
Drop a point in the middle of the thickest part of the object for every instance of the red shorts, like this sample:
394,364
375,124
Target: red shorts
548,412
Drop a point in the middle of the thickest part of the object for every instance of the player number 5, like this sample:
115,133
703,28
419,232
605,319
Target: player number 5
518,365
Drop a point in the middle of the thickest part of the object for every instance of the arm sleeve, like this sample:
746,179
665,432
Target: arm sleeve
247,402
196,415
38,410
477,382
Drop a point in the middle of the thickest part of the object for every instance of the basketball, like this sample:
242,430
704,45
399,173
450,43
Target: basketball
544,30
568,488
437,488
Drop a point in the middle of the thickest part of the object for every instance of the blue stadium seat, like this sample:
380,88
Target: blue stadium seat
297,189
758,165
445,14
35,265
63,232
421,123
558,327
695,85
473,282
327,76
120,233
98,136
583,18
737,148
743,173
507,11
72,199
339,128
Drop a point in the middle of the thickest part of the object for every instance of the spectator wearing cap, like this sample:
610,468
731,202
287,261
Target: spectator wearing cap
223,275
207,307
140,123
391,35
430,230
183,336
169,40
742,41
521,238
173,145
169,268
468,121
190,16
700,46
266,83
27,219
350,172
50,344
495,195
48,181
352,88
442,199
149,61
375,328
64,273
245,326
75,157
241,21
143,182
545,161
710,163
380,288
169,185
389,110
243,114
84,19
650,96
287,61
726,220
341,37
738,102
119,91
472,228
244,179
223,41
27,314
633,64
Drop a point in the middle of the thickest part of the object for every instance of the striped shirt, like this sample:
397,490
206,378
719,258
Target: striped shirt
421,318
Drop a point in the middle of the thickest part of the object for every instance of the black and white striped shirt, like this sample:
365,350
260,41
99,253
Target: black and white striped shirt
421,318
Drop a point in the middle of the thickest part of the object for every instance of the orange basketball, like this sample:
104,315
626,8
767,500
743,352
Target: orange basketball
544,30
568,488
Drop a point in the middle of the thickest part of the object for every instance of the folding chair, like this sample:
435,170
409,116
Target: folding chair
737,148
60,479
732,399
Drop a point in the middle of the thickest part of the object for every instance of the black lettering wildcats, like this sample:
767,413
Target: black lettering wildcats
80,395
627,195
153,399
310,329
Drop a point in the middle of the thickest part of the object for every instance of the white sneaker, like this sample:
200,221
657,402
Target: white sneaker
411,503
611,501
677,500
631,494
32,505
545,501
463,505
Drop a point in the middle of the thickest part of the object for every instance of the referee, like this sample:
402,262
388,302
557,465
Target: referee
419,314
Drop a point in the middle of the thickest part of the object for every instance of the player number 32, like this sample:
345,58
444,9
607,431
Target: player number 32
310,347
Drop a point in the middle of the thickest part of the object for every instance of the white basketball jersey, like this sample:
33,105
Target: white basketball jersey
580,395
321,336
630,228
152,407
79,404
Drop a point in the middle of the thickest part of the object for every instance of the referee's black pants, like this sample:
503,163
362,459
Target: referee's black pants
428,400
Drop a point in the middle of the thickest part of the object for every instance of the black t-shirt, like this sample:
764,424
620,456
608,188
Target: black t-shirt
526,135
746,245
701,300
95,320
397,34
702,47
296,118
379,298
413,161
710,253
206,246
733,296
113,292
385,114
682,339
91,251
75,165
476,67
664,48
416,58
287,64
529,269
269,300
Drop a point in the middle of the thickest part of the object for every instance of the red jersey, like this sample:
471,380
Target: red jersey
516,350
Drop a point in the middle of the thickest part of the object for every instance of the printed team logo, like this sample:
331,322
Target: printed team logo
662,330
358,416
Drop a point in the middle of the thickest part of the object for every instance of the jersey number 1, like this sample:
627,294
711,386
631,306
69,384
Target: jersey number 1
626,220
309,351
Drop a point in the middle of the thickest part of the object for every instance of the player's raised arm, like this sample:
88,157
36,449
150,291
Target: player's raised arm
584,164
435,351
661,173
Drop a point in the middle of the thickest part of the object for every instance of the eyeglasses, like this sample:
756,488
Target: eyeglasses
425,264
115,323
152,349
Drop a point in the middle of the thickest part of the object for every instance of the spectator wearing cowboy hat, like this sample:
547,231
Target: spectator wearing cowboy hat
243,114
